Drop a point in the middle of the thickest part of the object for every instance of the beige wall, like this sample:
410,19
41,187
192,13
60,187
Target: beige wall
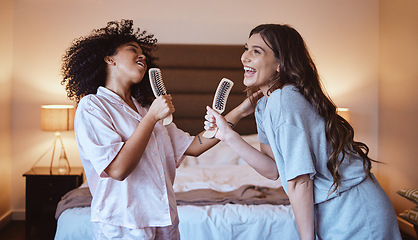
343,37
6,58
398,98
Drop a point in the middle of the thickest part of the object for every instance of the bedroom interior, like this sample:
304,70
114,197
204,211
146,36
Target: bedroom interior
354,44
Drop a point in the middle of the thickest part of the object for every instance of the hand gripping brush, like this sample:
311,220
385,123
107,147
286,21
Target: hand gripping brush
157,85
219,101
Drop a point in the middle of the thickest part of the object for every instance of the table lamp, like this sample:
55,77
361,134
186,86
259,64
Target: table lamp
58,118
345,113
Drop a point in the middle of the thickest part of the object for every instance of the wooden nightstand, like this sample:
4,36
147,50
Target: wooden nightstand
43,192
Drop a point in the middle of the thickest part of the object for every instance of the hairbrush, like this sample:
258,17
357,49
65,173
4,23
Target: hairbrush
158,87
219,101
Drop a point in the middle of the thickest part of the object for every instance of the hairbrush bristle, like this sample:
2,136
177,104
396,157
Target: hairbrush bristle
221,95
158,87
156,80
219,101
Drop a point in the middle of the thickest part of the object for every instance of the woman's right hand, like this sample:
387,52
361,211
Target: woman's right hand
215,120
161,107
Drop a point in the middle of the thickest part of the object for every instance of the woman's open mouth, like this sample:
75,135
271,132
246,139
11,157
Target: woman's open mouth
249,72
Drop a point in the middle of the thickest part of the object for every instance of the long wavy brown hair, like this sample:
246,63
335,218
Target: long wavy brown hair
297,68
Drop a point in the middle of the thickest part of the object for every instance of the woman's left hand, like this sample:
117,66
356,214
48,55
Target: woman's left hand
246,107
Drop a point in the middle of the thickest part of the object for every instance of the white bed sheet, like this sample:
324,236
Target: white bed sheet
230,221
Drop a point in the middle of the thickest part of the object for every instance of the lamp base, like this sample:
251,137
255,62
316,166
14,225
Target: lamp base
64,164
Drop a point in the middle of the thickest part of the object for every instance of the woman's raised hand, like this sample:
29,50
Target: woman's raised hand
215,120
161,107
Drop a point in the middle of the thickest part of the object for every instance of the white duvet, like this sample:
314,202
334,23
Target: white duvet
217,222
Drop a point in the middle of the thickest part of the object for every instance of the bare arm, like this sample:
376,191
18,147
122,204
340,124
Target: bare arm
262,162
200,144
131,152
300,191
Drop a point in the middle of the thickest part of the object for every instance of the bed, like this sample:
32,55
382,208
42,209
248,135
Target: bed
219,196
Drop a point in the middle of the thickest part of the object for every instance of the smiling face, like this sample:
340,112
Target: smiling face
260,65
128,64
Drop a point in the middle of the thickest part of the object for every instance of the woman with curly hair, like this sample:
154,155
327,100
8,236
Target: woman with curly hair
325,173
128,155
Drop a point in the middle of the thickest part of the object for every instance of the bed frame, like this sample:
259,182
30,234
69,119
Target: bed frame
192,73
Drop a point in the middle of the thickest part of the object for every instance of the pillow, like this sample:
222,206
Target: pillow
189,161
410,194
84,184
220,154
411,215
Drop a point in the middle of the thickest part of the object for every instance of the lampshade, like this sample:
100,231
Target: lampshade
57,117
345,113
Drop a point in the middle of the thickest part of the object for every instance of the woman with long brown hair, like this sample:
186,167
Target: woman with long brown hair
326,174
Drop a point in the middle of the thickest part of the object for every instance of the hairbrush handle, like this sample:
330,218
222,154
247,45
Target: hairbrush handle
158,87
219,102
167,120
210,133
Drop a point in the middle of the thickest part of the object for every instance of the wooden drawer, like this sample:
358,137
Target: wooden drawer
45,189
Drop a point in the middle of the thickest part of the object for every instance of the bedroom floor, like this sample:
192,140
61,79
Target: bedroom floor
15,230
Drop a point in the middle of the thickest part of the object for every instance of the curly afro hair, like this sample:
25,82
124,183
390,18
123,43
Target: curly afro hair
84,68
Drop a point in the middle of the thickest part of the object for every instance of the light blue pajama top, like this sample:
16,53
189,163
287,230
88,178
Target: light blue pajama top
296,134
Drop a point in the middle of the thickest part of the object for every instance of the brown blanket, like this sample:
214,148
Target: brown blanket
247,194
79,197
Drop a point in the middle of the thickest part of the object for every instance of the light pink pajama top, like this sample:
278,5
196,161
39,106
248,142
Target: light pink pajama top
103,122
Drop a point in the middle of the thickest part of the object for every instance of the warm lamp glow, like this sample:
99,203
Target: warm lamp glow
57,117
345,113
